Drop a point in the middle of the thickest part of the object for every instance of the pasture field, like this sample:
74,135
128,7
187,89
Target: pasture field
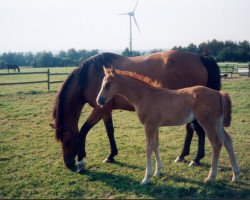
31,164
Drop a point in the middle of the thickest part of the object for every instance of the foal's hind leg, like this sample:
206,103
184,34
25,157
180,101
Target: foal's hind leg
187,143
229,147
216,148
150,146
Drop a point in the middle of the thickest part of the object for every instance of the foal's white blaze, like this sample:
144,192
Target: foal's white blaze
99,94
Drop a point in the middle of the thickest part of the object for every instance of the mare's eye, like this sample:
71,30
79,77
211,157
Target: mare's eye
107,86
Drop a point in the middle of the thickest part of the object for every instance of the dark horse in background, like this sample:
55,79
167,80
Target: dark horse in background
14,67
174,69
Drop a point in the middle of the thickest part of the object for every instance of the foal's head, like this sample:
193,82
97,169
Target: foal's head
109,87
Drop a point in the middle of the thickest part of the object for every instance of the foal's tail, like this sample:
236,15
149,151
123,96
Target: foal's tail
227,108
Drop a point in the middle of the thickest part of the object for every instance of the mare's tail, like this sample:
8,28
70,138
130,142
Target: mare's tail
213,72
227,108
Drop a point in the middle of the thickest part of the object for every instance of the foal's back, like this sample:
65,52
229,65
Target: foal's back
177,107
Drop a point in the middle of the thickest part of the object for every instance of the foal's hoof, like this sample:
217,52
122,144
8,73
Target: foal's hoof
209,179
108,160
144,182
236,177
194,163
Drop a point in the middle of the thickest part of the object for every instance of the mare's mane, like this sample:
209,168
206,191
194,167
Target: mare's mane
145,79
79,76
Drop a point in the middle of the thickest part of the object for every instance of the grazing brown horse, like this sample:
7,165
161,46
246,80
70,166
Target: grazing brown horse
14,67
156,106
174,69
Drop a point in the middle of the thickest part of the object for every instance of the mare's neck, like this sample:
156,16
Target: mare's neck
133,90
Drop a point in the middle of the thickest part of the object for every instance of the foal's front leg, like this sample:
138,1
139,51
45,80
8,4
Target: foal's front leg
157,154
150,146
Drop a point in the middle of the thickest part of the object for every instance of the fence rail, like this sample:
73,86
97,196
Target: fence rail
225,71
48,81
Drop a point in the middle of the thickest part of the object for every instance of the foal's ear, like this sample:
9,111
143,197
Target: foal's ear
106,70
112,70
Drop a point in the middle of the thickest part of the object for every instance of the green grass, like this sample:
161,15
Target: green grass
32,167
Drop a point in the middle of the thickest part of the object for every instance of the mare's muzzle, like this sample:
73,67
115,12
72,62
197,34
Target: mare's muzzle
70,163
101,100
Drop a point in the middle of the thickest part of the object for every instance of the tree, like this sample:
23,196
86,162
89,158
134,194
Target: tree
192,48
128,53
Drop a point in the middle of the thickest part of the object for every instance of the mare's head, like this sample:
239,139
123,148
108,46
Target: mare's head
69,142
65,120
109,87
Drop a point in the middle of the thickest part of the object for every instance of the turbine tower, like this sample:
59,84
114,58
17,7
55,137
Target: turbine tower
131,15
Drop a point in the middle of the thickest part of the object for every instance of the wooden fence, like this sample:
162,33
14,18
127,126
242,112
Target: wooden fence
48,81
231,70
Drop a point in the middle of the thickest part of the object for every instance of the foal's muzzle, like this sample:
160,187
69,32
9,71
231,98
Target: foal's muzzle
101,100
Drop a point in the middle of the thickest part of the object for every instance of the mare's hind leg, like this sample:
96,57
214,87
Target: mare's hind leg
201,144
187,143
110,131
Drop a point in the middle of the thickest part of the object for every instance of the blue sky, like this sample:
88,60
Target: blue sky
36,25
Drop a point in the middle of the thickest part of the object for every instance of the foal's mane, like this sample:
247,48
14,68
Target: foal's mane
145,79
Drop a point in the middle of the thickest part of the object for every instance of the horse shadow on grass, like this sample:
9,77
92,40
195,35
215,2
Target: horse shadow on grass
155,189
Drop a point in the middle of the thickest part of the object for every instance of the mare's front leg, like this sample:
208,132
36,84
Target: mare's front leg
150,145
110,131
96,115
187,143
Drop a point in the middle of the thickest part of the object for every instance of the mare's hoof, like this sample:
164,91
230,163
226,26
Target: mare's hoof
178,159
194,163
80,166
108,160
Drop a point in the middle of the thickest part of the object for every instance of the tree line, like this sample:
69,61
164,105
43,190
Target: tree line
70,57
221,51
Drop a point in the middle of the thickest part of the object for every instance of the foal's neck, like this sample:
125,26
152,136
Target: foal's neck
132,89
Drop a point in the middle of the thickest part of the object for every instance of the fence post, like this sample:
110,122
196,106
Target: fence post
48,73
249,70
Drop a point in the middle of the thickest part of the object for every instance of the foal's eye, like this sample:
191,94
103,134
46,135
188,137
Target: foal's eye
107,86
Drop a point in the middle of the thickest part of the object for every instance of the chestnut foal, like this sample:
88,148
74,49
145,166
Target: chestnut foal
157,106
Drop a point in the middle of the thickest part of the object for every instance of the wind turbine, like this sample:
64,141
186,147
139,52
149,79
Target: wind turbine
131,15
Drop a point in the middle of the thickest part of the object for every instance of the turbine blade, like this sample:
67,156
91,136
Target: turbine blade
123,14
135,5
137,25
